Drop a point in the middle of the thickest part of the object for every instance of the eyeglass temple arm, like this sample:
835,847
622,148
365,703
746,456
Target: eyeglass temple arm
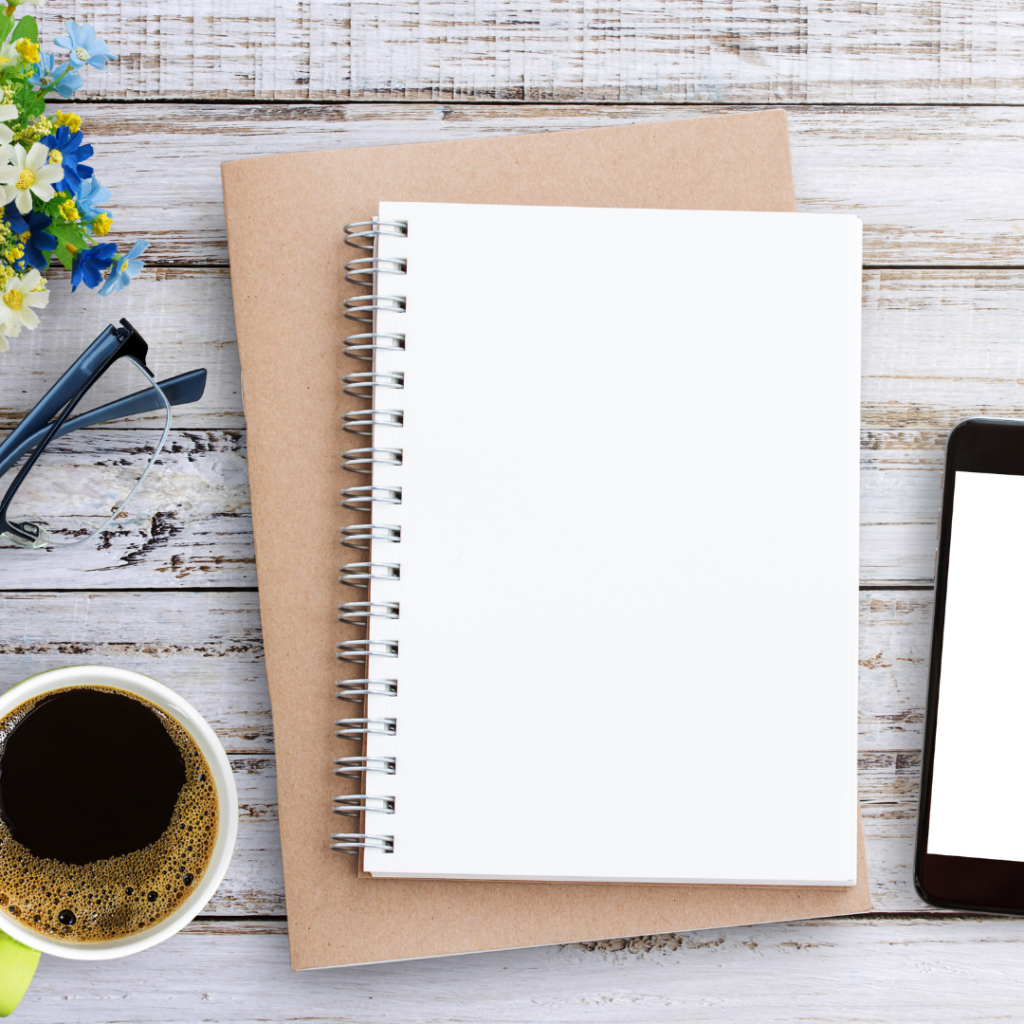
84,368
180,390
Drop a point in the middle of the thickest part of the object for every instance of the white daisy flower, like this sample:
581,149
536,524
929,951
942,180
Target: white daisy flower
29,173
21,298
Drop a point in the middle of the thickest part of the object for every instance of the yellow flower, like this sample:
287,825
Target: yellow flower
15,253
55,157
69,211
29,51
102,224
73,121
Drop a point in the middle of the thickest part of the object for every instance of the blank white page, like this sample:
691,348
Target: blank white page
627,632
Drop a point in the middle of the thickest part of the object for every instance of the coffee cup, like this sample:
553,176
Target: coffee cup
21,945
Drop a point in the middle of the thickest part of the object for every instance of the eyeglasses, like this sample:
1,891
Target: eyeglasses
94,489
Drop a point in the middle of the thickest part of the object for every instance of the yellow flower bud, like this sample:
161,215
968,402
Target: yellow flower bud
72,121
29,51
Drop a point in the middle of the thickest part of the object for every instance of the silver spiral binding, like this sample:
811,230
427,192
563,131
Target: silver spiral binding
362,460
356,803
362,234
361,499
354,690
356,728
355,651
362,421
362,346
361,385
359,536
361,575
358,613
357,767
353,842
364,308
361,271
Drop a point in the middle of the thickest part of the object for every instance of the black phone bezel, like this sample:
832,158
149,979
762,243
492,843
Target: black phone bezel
978,445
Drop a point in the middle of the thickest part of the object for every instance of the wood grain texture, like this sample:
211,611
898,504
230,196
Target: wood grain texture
916,970
939,345
635,51
934,186
207,646
189,525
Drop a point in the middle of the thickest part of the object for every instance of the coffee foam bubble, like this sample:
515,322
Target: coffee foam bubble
120,896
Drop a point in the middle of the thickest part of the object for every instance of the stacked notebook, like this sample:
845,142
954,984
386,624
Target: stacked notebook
596,437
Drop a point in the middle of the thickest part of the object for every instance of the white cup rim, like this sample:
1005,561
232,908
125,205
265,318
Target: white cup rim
227,832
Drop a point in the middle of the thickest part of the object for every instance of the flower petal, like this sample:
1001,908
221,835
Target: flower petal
48,174
36,157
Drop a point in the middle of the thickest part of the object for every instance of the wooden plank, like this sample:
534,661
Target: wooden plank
642,51
188,526
939,345
917,970
207,646
933,185
184,315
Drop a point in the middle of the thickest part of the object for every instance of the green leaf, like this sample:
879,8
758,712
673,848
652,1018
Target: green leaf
66,233
26,29
5,25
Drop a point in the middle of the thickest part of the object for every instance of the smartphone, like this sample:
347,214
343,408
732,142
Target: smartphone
970,836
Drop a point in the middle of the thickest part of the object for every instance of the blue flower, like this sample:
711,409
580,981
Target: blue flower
39,243
46,74
89,264
124,268
84,46
71,152
90,197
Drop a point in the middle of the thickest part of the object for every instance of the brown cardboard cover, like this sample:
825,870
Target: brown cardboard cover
285,217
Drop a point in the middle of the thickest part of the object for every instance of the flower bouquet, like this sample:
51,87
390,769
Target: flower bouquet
52,201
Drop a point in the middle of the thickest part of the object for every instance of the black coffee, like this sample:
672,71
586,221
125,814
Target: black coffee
108,814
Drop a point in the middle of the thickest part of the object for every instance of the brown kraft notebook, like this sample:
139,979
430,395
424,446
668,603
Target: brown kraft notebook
290,346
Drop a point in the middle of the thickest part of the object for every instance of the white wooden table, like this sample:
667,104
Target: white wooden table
908,114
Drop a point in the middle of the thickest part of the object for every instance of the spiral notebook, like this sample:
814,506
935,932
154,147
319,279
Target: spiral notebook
293,360
613,537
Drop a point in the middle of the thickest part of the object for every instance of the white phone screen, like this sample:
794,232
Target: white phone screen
977,801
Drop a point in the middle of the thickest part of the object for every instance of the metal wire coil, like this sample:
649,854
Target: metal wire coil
362,460
355,728
363,308
359,536
359,574
362,421
361,385
354,690
358,613
362,234
355,804
357,344
353,842
361,271
357,767
361,498
356,651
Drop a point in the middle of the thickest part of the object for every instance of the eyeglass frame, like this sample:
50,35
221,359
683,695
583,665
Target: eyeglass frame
36,430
